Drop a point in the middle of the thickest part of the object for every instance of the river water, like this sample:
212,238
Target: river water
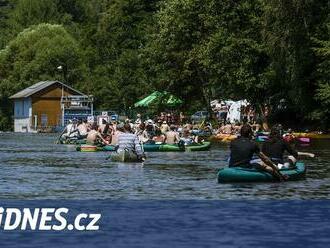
178,198
33,167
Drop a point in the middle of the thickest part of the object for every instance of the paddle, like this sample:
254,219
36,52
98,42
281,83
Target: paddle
58,139
270,163
311,155
143,157
107,158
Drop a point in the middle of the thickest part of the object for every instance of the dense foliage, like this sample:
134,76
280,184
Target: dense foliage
273,52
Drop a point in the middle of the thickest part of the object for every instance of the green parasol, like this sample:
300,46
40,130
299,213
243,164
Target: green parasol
163,98
173,101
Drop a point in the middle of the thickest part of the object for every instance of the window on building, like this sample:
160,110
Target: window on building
18,108
23,108
44,120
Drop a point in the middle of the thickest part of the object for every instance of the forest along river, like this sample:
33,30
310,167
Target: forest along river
33,167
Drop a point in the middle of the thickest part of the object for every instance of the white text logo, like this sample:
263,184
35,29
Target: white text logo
46,219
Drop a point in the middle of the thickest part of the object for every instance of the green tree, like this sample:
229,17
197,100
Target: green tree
34,55
206,49
323,79
268,52
116,52
33,12
288,28
5,8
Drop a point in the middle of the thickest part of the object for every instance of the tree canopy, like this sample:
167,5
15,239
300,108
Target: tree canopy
274,53
35,54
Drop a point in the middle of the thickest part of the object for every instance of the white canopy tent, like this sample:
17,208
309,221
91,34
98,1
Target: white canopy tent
234,112
234,108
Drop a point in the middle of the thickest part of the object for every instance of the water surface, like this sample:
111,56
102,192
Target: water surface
33,167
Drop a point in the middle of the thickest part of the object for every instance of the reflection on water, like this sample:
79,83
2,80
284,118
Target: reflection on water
32,167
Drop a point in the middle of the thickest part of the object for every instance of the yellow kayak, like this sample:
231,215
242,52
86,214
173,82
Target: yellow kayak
312,135
224,137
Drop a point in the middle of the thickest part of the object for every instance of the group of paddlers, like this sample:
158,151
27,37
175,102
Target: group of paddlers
147,132
228,128
130,136
244,152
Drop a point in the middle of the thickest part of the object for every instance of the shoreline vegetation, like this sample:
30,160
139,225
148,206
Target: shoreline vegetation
274,54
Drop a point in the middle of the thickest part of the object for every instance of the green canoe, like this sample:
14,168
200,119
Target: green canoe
175,148
72,141
162,148
91,148
244,175
199,147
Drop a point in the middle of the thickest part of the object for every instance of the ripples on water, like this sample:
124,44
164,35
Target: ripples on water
33,167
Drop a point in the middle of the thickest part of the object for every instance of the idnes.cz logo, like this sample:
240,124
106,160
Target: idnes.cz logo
46,219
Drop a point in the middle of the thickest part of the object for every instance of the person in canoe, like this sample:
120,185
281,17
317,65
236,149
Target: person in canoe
276,146
159,137
82,129
256,127
107,130
138,120
70,132
237,127
227,128
117,130
129,142
242,150
188,126
94,137
150,129
103,126
142,133
187,139
289,136
172,136
164,128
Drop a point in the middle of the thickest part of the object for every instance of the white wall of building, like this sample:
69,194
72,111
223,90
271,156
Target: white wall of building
23,115
22,125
